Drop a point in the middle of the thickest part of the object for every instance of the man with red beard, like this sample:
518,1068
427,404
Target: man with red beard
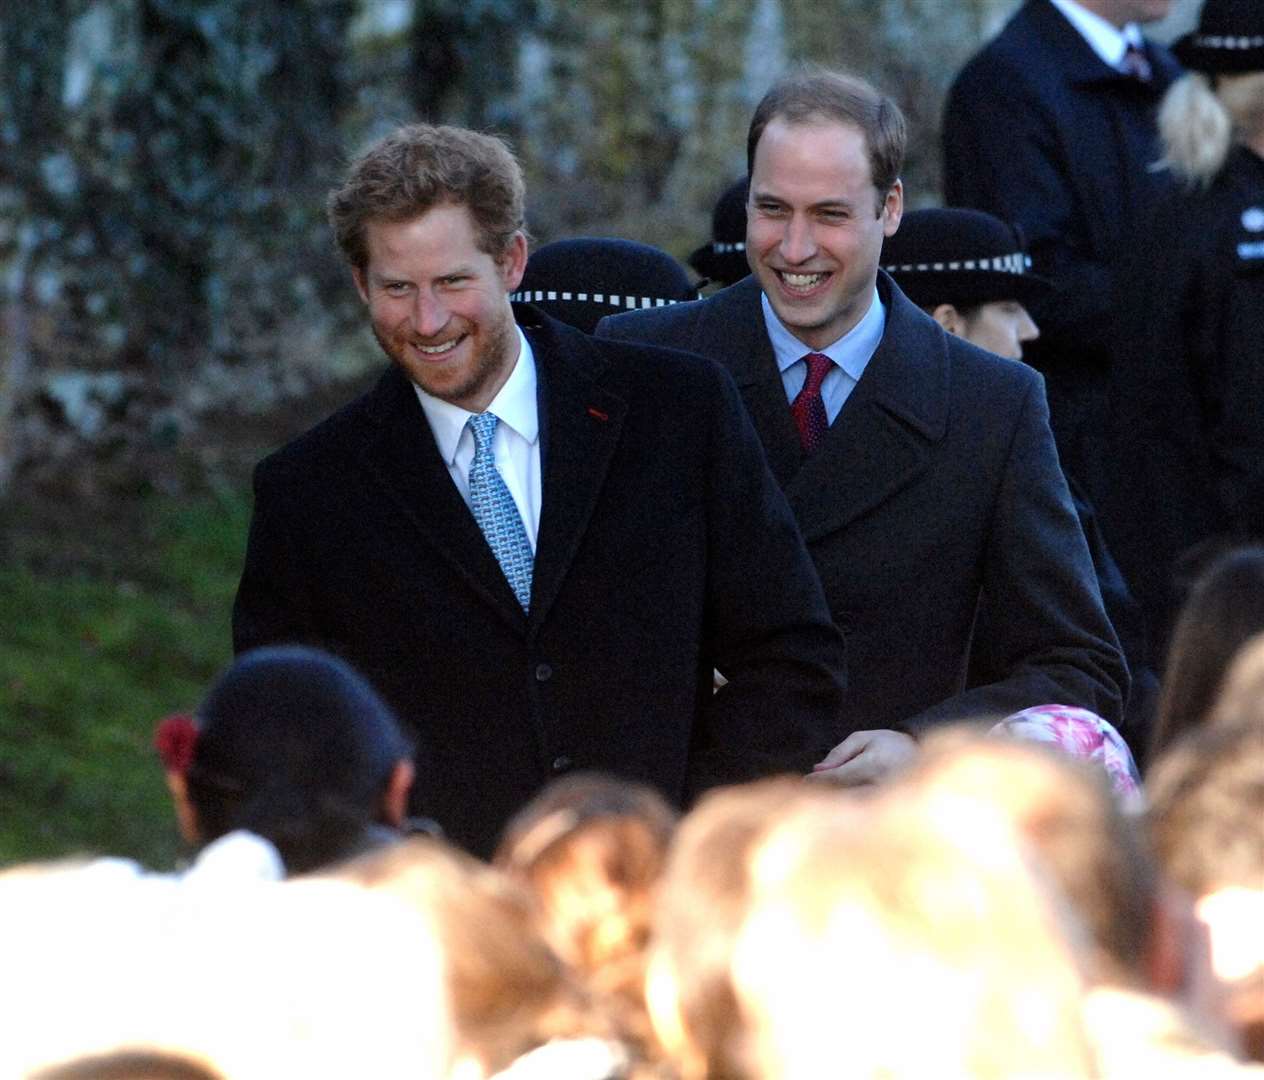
537,546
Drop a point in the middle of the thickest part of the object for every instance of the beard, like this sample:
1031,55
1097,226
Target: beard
492,358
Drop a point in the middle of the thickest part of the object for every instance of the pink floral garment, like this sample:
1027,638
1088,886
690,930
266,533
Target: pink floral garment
1081,734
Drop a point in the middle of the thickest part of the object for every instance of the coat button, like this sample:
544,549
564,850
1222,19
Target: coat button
543,672
561,763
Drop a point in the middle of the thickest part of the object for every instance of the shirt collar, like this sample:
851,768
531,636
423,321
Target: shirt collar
515,406
851,352
1108,41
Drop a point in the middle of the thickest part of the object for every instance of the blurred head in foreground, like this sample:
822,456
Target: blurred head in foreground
250,982
900,940
295,746
1142,947
591,849
703,900
1224,609
509,992
1207,822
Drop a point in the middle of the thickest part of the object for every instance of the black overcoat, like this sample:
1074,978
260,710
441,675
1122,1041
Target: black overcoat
936,490
1041,132
1187,417
665,550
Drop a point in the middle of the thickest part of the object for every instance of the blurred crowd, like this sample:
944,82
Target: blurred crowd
1013,903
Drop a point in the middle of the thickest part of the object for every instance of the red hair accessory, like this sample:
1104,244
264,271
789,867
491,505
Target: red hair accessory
175,739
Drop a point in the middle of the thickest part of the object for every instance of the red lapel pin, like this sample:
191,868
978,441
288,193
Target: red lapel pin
597,414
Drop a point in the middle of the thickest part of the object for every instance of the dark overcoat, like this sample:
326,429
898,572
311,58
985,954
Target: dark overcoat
665,550
937,489
1041,132
1187,422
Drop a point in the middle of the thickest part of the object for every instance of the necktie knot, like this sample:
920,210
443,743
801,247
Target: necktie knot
818,367
483,425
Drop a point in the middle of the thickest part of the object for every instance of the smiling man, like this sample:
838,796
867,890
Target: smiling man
537,546
921,469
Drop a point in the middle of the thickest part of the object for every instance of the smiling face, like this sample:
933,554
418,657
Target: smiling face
439,305
815,225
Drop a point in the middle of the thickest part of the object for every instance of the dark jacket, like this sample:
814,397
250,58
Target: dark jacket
665,550
1187,416
936,490
1039,131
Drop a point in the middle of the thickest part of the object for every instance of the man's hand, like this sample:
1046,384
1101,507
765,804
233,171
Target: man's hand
866,757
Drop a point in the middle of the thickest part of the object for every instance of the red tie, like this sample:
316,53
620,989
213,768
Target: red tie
808,409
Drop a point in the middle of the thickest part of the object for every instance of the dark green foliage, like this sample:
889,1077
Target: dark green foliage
90,662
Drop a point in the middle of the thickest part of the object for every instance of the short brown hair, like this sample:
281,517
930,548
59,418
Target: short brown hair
591,849
1224,609
421,166
1206,804
813,93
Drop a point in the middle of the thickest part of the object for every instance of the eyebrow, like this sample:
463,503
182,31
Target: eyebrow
380,276
824,204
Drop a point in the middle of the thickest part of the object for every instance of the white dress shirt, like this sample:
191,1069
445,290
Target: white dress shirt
516,443
1105,39
850,354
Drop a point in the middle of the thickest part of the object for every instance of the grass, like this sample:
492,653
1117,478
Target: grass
92,653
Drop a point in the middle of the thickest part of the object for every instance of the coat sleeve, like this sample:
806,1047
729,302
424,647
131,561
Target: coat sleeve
768,627
1042,631
1003,152
272,603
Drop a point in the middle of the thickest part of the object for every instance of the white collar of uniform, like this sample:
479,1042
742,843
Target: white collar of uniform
515,406
1105,39
851,352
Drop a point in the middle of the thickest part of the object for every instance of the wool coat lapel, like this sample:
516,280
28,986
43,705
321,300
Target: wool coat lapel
884,437
731,330
403,458
580,425
880,441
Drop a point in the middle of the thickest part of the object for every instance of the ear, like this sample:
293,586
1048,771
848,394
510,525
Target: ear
893,208
361,282
186,816
513,262
949,318
399,786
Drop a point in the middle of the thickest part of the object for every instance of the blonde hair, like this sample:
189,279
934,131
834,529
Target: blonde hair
1196,130
906,941
1198,123
1062,807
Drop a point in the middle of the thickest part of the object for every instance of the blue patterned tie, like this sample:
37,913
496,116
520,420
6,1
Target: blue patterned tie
495,511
